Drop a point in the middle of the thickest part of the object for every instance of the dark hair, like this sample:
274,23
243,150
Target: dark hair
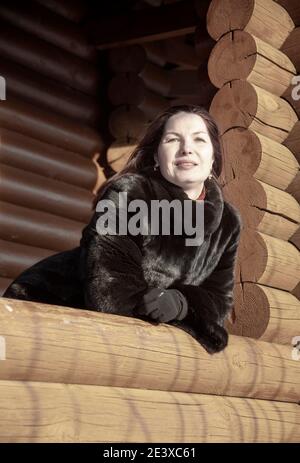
143,154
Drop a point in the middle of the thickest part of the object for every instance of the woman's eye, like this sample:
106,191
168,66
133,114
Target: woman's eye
199,139
172,139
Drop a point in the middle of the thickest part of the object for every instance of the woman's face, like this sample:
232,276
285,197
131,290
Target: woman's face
185,153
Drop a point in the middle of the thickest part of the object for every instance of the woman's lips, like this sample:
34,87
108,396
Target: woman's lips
185,165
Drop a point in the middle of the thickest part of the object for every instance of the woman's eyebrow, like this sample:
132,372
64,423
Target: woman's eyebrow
176,133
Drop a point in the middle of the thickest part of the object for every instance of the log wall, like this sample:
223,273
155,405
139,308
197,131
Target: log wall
93,368
253,64
81,376
148,78
51,126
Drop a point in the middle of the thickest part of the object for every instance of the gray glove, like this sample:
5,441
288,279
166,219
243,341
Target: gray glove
164,305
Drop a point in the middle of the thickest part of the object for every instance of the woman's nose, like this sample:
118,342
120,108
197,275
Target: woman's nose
186,148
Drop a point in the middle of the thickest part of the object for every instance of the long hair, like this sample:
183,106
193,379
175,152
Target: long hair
143,154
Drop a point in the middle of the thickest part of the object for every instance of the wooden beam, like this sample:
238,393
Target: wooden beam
50,412
144,25
293,9
242,104
65,345
264,313
227,15
252,154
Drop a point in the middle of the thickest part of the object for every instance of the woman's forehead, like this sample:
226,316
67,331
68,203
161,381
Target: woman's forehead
185,122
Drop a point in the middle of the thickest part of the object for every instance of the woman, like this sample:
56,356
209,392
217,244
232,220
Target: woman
155,277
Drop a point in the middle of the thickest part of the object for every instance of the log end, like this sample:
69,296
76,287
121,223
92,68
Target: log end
227,15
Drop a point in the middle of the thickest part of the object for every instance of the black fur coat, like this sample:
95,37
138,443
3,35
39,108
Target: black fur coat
112,273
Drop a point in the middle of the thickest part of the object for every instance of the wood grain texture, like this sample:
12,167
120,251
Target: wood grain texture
264,207
241,104
49,412
240,55
265,313
250,15
268,260
248,153
56,344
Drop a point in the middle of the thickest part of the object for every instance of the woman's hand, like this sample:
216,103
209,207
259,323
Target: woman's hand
163,305
212,337
210,334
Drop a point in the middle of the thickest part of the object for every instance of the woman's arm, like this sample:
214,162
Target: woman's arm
211,301
111,264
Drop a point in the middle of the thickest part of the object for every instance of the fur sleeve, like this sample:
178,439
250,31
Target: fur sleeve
210,302
213,299
111,264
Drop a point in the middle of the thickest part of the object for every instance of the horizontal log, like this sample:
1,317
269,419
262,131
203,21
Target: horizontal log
227,15
22,152
119,152
156,52
109,414
264,207
64,334
16,257
145,25
127,59
295,239
203,42
246,152
152,104
291,47
127,122
49,26
241,104
201,8
50,61
293,9
177,83
240,55
25,118
289,96
177,51
4,284
294,187
74,10
268,260
296,291
142,61
36,228
155,78
129,88
173,50
186,83
293,141
126,88
50,94
206,90
193,99
265,313
44,194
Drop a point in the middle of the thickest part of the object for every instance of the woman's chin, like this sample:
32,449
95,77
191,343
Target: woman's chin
189,177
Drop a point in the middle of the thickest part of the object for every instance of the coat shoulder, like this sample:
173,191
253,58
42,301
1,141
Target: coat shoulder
129,182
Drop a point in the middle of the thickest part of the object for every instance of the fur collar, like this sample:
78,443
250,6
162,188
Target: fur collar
213,202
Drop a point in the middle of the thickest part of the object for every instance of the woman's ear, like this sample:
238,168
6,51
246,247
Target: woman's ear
156,162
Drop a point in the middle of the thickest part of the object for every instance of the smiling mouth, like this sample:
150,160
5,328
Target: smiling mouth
186,164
